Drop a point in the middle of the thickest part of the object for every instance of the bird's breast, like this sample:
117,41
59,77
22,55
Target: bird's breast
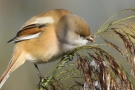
44,49
45,55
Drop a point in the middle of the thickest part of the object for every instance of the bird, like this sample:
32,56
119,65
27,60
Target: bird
46,37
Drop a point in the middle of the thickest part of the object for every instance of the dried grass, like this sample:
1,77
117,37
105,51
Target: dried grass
97,68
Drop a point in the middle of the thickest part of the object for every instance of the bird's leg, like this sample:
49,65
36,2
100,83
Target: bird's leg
39,74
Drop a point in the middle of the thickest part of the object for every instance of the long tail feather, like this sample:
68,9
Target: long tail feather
12,66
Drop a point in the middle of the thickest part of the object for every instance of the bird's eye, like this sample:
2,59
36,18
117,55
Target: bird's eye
82,36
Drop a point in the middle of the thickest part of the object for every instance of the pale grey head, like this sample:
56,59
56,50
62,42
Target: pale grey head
72,31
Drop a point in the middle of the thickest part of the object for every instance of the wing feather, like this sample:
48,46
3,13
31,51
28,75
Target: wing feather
28,32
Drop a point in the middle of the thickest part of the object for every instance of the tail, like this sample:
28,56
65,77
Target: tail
16,61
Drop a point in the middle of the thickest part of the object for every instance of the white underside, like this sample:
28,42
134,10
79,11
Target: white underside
74,43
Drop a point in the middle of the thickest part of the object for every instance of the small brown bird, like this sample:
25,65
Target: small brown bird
46,37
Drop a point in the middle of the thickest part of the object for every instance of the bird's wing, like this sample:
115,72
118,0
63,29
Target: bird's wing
28,32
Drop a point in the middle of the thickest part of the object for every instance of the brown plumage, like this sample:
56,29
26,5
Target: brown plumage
46,37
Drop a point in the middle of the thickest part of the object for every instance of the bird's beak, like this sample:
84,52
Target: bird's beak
90,39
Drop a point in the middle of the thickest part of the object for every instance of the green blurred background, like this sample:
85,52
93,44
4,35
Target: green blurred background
14,13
